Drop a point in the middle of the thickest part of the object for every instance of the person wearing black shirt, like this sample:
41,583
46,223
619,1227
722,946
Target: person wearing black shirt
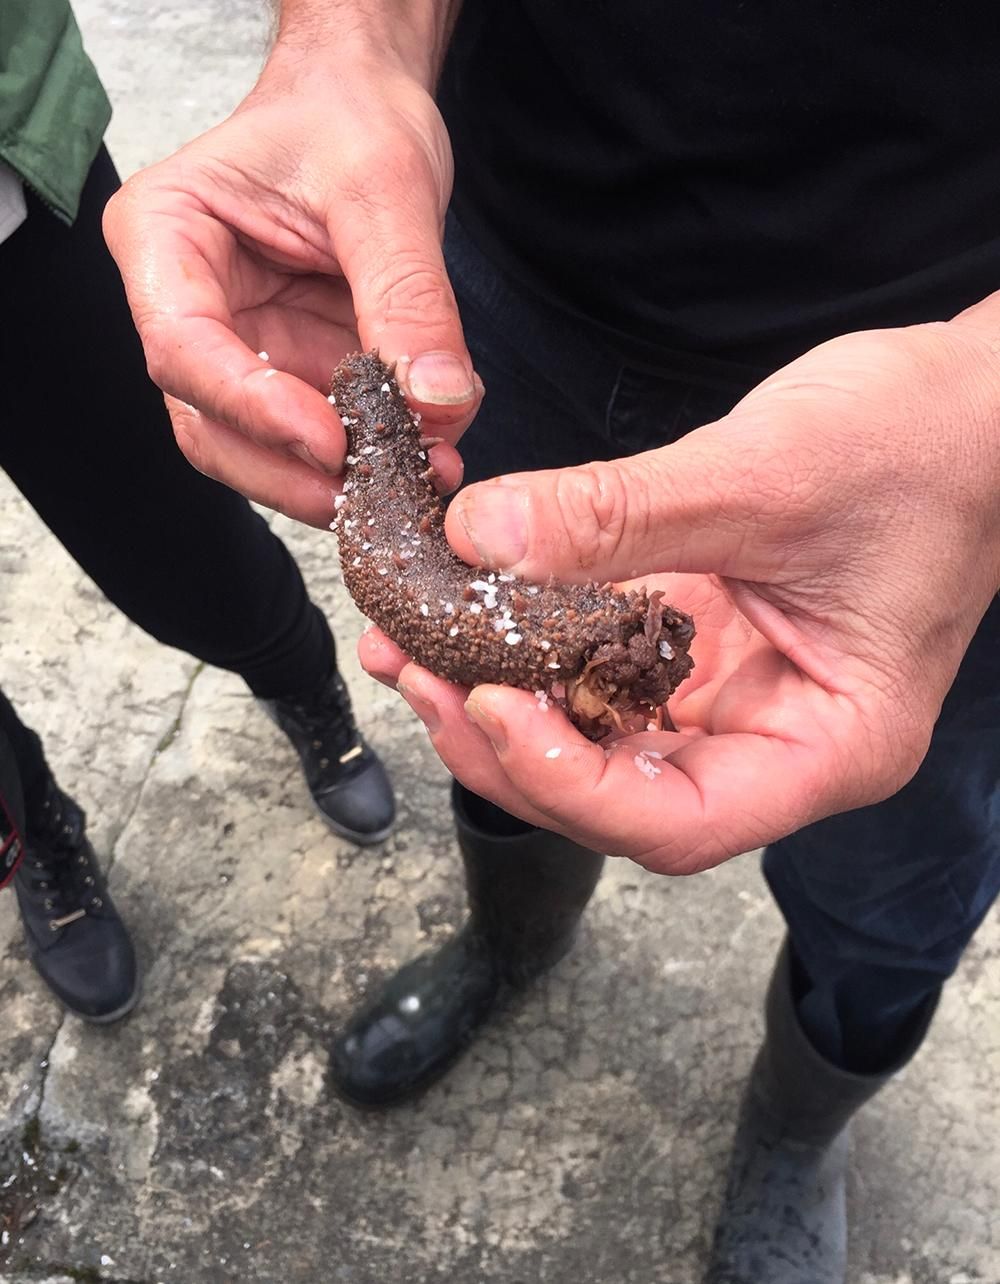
725,272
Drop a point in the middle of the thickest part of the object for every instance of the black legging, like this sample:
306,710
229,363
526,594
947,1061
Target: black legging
85,437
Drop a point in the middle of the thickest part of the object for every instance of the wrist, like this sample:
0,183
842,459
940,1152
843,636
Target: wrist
974,342
333,37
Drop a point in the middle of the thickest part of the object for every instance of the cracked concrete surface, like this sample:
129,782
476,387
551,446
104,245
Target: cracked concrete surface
582,1138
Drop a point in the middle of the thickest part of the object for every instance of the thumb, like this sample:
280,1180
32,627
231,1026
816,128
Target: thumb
685,507
390,252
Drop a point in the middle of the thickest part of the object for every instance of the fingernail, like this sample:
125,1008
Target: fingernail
440,379
301,451
492,727
425,710
494,518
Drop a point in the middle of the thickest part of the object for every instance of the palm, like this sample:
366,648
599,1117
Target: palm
747,721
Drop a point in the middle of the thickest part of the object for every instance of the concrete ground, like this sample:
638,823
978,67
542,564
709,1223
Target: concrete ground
581,1140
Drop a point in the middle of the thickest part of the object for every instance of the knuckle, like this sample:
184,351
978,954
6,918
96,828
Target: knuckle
417,296
593,507
157,346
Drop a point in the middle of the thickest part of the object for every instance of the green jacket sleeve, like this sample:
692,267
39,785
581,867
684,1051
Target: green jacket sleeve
53,108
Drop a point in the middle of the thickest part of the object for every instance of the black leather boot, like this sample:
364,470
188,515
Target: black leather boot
783,1219
75,937
527,889
346,779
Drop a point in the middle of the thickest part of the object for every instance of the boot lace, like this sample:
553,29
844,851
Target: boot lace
59,863
328,721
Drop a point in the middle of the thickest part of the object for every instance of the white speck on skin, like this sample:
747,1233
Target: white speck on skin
268,373
263,356
553,753
646,767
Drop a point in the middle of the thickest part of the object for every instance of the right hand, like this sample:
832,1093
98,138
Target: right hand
305,226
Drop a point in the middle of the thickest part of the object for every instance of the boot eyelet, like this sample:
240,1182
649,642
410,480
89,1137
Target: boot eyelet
44,886
48,903
97,902
324,763
81,860
89,880
317,744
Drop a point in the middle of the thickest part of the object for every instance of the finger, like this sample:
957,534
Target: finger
387,237
180,306
380,657
462,746
283,483
704,801
687,507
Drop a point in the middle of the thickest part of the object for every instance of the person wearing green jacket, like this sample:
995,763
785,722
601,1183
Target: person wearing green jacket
85,436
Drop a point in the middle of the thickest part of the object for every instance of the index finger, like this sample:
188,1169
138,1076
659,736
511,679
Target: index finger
178,262
674,804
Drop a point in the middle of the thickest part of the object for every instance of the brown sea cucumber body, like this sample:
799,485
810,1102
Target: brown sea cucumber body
609,658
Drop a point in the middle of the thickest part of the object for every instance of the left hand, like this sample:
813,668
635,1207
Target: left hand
836,538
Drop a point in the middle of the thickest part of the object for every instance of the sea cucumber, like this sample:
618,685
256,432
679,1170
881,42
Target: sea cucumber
609,658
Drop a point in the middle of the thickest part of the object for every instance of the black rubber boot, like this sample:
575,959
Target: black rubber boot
347,781
75,937
783,1219
527,889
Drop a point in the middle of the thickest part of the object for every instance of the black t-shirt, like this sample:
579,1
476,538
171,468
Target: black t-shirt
735,178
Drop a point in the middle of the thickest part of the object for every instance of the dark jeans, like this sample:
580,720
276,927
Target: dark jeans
85,437
879,902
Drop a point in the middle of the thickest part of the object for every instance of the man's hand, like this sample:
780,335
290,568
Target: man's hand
837,540
306,225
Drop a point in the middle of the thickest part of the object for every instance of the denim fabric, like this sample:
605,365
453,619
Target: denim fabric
879,902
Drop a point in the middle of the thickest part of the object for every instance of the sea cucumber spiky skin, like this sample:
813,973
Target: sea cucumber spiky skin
604,655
